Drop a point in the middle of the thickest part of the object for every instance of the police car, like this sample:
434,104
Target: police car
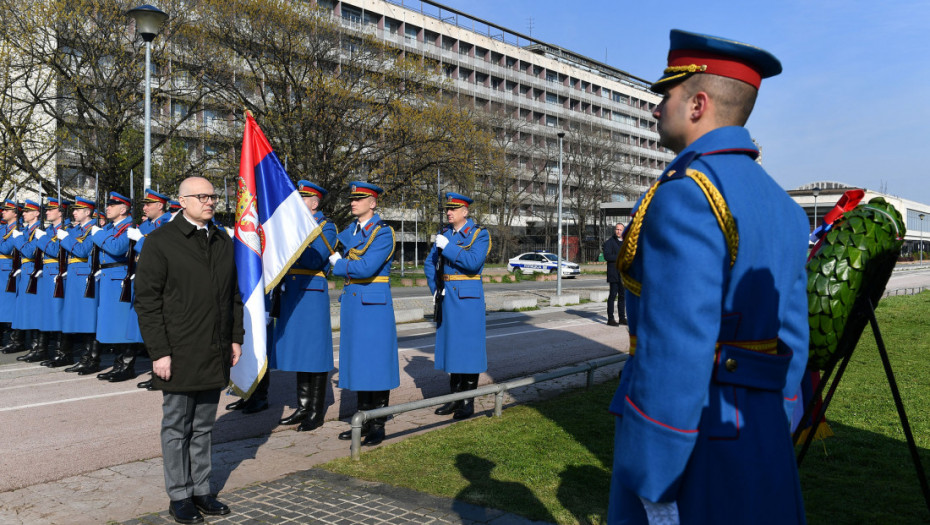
543,262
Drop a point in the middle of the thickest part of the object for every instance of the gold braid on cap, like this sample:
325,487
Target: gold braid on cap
717,204
690,68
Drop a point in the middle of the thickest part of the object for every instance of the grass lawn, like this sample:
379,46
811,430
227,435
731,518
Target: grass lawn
551,461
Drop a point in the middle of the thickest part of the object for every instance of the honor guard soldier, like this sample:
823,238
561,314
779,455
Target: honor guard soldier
113,314
453,271
28,315
173,208
714,267
80,311
52,307
155,211
303,333
9,213
368,346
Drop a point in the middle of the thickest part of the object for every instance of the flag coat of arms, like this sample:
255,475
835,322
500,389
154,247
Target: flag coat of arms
273,226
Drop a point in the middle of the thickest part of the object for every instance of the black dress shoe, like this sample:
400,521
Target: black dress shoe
611,322
236,405
210,505
253,406
184,511
122,375
147,384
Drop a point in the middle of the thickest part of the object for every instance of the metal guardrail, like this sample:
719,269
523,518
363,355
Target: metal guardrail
904,291
498,390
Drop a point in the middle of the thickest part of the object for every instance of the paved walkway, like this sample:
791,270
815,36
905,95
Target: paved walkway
272,479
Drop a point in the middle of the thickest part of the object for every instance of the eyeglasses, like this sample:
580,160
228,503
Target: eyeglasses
204,197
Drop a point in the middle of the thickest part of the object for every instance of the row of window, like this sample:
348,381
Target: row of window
417,34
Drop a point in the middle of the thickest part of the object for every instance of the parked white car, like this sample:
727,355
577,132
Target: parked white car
543,262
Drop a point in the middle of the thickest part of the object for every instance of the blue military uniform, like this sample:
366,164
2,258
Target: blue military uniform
113,315
80,311
52,307
27,315
713,264
302,341
8,299
460,337
368,360
146,227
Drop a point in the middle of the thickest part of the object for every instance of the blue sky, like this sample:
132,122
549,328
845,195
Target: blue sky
853,102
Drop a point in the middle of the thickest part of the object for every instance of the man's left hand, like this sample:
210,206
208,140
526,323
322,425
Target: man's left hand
236,353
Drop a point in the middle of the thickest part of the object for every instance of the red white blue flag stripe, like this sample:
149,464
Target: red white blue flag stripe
273,226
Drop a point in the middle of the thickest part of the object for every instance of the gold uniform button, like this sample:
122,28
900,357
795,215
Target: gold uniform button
730,364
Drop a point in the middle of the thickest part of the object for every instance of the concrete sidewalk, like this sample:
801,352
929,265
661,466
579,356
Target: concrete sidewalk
271,479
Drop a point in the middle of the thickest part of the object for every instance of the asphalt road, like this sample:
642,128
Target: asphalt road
54,425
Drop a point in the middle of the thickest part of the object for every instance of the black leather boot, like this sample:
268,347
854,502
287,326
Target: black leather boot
303,400
469,382
128,369
53,349
117,363
16,342
314,418
64,354
93,360
39,350
84,351
257,402
364,403
455,385
375,435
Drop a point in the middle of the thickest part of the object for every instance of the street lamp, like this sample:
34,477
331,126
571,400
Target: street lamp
921,217
816,191
558,278
149,20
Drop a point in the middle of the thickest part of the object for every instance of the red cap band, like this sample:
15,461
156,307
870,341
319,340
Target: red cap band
714,64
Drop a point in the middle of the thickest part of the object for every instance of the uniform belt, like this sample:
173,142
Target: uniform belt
25,260
5,256
304,271
369,280
765,346
461,277
111,265
72,260
49,261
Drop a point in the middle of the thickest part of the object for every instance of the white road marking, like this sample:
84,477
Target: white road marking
71,400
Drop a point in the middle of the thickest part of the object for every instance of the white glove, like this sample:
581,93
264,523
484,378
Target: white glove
16,233
61,234
661,513
39,273
40,234
334,257
94,229
134,234
441,241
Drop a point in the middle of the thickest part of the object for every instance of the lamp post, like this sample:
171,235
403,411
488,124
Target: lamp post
921,216
149,20
558,270
816,191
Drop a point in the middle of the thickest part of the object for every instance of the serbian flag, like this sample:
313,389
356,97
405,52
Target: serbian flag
273,226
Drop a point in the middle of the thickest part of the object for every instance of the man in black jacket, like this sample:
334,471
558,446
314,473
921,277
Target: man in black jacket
611,251
190,316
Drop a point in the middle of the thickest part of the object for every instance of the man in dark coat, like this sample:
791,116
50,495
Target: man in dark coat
190,316
611,251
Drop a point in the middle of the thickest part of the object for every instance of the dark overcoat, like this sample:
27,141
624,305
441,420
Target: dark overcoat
188,303
611,251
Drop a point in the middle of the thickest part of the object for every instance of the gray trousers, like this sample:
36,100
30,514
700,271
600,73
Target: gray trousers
187,440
